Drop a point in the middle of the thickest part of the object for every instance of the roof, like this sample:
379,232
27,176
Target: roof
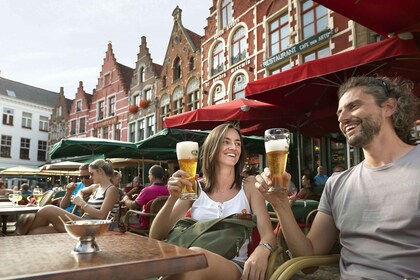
126,75
194,37
27,93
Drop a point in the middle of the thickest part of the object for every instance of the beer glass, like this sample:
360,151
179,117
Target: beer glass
187,154
276,142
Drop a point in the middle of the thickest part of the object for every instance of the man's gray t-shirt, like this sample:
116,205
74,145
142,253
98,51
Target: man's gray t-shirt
377,211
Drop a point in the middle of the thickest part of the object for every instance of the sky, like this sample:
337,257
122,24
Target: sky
57,43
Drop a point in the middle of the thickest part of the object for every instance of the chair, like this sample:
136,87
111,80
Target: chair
47,198
154,207
282,267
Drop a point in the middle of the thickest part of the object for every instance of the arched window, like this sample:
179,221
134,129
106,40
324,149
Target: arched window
191,64
218,94
142,75
226,13
238,89
164,108
177,101
238,45
217,59
193,95
177,68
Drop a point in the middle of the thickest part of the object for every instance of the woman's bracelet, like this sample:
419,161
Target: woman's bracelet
268,246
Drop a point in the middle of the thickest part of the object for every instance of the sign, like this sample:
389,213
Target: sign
300,47
106,122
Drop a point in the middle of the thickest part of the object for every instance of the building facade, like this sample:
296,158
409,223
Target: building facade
58,120
26,112
79,114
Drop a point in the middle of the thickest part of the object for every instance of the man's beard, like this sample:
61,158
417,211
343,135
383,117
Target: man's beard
369,128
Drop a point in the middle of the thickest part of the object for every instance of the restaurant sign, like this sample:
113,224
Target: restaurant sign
106,122
300,47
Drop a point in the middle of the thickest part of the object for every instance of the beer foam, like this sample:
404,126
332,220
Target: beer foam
186,150
276,145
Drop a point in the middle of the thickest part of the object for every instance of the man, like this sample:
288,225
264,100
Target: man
157,188
319,180
72,189
374,206
3,189
134,189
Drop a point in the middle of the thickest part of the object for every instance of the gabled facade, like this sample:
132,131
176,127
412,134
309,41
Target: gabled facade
143,101
108,109
59,117
178,88
79,114
26,112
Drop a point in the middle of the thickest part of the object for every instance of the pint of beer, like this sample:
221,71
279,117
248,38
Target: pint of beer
277,149
187,153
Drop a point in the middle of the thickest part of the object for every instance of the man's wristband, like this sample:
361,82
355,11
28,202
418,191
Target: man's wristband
268,246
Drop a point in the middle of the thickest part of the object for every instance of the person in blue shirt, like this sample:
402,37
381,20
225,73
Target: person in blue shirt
73,189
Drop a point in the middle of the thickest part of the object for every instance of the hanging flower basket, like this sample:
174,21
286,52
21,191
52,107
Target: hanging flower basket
133,108
144,103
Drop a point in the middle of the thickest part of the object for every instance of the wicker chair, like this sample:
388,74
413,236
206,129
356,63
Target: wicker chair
155,206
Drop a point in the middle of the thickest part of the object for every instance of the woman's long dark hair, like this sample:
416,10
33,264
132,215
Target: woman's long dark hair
210,151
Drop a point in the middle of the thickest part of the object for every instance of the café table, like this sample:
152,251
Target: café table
6,209
4,198
121,256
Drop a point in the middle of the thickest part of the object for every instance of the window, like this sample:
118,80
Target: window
238,46
141,130
150,125
42,150
101,108
191,64
132,133
164,108
177,68
6,146
177,101
217,62
112,106
82,125
62,132
164,82
280,69
147,94
107,79
238,90
314,18
142,75
279,34
317,54
117,131
193,95
26,120
105,132
79,106
218,95
94,132
24,148
43,123
136,99
59,111
8,116
226,13
73,127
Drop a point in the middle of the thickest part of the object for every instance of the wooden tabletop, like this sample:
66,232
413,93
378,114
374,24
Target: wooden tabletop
6,209
122,256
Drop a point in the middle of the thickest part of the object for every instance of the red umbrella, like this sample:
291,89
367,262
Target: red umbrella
384,17
308,93
246,112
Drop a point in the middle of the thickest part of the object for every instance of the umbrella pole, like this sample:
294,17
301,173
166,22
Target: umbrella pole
142,173
298,156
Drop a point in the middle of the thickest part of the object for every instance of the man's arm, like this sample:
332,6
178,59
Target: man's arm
65,201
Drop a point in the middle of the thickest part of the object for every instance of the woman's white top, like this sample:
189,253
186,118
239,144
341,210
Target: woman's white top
204,208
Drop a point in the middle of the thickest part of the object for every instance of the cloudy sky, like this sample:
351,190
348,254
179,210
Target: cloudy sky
54,43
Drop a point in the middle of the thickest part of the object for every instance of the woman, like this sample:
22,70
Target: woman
307,190
224,193
104,197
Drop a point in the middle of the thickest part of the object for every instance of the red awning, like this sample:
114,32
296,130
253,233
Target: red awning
309,90
246,112
384,17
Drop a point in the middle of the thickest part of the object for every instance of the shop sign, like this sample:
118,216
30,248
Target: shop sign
106,122
300,47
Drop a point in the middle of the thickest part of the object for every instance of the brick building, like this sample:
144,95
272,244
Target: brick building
59,119
79,113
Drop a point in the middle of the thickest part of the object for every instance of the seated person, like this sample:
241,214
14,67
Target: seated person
157,188
104,198
307,190
72,189
135,189
3,189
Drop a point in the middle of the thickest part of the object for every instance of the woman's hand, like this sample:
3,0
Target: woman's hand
77,200
264,183
176,181
256,265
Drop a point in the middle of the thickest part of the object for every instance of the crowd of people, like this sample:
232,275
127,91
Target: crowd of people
360,206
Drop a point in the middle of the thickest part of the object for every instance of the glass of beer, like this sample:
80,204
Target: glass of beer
187,153
276,142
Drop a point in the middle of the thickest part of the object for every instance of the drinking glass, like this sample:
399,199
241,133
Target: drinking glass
17,196
37,193
276,142
12,199
187,154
